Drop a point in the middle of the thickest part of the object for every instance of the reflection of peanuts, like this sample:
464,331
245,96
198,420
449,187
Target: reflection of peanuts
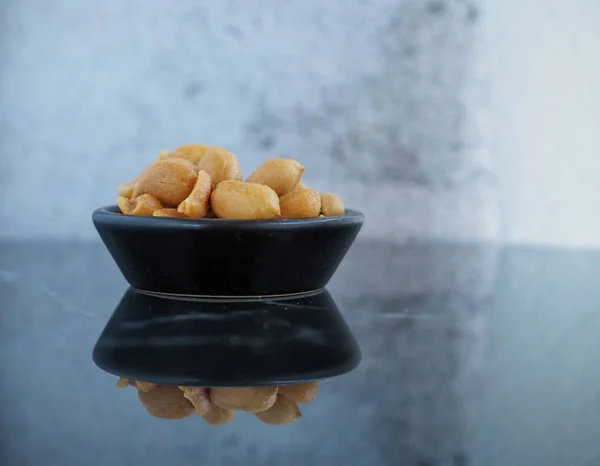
304,203
141,386
170,212
145,386
252,399
198,396
217,406
331,205
123,382
221,165
282,175
145,204
217,416
239,200
192,152
166,402
170,181
284,411
196,205
303,392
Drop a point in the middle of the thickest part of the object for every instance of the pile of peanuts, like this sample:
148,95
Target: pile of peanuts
275,404
197,181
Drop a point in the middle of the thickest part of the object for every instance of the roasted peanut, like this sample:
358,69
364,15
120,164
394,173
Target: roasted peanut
282,175
284,411
304,203
170,181
221,165
303,392
300,186
125,190
331,205
198,396
196,205
164,154
145,204
192,152
240,200
218,416
252,399
170,212
198,181
166,402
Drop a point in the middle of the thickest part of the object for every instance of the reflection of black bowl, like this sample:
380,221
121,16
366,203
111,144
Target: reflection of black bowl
226,342
215,257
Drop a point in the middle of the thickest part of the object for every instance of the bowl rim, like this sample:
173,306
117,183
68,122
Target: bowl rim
111,215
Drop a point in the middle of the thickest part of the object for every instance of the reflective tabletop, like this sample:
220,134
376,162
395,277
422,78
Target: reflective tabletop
471,355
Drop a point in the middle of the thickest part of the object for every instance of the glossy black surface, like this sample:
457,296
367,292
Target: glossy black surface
471,356
215,257
226,343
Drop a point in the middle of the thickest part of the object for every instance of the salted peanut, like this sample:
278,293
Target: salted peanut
170,212
170,181
221,165
126,190
305,203
166,402
192,152
217,416
331,205
251,399
240,200
282,175
197,204
198,396
303,392
284,411
164,154
300,186
145,204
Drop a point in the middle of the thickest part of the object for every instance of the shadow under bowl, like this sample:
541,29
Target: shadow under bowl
216,257
215,343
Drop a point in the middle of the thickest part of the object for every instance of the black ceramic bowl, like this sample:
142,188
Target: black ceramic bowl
226,342
216,257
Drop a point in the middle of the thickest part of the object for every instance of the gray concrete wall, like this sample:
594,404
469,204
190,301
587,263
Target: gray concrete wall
382,100
545,117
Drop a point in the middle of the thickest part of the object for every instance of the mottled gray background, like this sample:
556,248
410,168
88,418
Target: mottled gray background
452,119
